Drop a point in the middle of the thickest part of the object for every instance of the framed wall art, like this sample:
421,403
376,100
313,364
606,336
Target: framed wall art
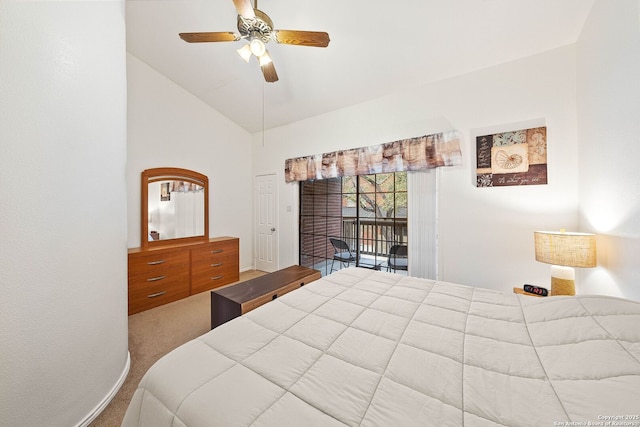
165,193
512,158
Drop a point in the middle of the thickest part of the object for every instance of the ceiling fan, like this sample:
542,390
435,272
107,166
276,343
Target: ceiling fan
257,28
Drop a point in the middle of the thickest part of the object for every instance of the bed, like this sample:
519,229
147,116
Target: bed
369,348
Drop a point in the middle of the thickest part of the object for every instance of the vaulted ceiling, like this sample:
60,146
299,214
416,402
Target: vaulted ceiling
376,48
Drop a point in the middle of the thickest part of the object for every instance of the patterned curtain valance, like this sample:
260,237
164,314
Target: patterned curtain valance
423,152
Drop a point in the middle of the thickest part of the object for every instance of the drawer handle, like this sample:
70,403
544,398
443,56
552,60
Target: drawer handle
155,279
157,294
155,262
217,251
217,277
218,264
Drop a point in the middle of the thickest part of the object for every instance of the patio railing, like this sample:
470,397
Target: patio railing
369,239
374,237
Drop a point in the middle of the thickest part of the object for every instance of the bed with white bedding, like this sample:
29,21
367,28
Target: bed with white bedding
367,348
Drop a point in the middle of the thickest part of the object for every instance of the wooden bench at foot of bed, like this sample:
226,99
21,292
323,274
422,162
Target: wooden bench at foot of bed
236,300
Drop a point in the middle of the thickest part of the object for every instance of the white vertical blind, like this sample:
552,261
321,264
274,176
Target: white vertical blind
422,189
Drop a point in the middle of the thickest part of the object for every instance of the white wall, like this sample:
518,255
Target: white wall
608,63
63,260
169,127
486,234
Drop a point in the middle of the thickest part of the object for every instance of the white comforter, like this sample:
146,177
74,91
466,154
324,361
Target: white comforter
364,348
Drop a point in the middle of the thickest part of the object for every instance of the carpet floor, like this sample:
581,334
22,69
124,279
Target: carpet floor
154,333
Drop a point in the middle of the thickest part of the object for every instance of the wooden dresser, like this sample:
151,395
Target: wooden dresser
158,276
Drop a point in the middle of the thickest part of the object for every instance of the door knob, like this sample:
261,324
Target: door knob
273,229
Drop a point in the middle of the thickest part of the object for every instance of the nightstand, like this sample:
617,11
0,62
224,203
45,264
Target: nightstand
522,292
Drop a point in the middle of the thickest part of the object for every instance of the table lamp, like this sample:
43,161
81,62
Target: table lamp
564,251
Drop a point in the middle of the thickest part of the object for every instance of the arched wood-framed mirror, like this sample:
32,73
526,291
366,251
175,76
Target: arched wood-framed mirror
175,207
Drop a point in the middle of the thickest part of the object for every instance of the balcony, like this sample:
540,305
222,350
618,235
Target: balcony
369,240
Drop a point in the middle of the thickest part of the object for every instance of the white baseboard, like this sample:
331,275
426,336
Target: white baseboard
107,399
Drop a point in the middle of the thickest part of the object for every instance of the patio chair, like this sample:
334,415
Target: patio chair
398,259
342,253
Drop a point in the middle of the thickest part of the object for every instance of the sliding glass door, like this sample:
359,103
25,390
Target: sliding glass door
367,212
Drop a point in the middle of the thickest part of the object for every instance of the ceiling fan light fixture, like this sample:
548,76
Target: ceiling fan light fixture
257,29
245,53
257,47
265,59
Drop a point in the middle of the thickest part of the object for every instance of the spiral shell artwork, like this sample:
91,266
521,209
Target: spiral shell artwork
506,161
512,158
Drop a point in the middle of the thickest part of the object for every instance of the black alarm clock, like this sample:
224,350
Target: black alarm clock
536,290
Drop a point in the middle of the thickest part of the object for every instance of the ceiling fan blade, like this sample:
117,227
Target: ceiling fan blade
267,67
269,72
244,8
221,36
302,38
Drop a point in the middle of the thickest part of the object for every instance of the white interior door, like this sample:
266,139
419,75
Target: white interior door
266,249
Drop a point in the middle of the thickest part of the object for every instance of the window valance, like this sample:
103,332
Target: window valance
423,152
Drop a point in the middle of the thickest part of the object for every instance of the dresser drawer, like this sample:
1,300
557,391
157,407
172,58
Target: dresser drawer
214,266
151,290
153,262
215,251
206,275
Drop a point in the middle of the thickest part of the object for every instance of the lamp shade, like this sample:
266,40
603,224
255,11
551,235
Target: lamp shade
245,53
257,47
566,249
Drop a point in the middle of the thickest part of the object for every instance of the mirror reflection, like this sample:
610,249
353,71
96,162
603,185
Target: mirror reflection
175,207
175,210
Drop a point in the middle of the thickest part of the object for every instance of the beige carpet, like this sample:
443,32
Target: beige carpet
154,333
